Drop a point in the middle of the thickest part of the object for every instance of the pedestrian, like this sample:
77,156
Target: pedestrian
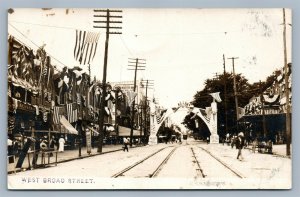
61,144
37,148
254,145
52,143
126,142
44,144
239,145
9,146
207,140
233,141
15,147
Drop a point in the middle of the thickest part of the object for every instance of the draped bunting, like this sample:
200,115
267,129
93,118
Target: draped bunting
130,97
271,100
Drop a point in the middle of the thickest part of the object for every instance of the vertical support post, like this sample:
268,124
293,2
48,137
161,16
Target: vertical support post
225,95
101,114
145,112
133,103
287,99
263,111
235,93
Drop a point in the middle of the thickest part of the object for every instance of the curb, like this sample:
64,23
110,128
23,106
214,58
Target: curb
72,159
273,154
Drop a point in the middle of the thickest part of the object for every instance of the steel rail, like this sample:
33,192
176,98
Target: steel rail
224,164
137,163
159,168
198,164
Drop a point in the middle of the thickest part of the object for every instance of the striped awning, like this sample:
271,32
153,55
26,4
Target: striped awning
65,123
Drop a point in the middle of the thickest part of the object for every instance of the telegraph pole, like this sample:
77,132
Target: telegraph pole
286,87
107,26
225,95
149,84
134,64
263,110
235,92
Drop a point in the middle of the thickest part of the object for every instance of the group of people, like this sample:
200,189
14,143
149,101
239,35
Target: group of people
17,143
239,142
19,146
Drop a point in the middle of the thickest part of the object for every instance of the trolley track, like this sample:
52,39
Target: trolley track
156,171
238,174
198,164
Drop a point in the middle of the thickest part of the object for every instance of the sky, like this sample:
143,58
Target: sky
182,47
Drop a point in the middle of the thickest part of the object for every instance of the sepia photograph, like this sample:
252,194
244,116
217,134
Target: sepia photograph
155,99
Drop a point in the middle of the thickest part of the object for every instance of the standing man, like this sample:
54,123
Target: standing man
240,145
126,142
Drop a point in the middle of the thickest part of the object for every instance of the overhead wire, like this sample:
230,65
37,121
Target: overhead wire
35,44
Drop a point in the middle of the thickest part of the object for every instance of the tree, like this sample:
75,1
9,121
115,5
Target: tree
245,91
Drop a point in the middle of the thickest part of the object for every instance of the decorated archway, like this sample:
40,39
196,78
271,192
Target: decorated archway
208,115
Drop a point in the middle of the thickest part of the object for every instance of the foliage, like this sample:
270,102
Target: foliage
245,91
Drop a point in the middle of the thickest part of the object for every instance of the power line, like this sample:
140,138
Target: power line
35,44
126,46
42,25
135,34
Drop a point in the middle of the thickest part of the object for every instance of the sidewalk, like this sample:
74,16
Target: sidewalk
69,155
278,150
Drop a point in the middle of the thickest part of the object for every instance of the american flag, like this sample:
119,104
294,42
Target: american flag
72,112
45,116
163,115
57,114
158,119
78,98
45,69
85,46
46,65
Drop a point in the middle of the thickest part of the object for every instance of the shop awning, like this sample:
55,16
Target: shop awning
41,131
65,123
124,131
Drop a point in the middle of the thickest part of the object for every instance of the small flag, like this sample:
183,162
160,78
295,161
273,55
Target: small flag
49,97
45,116
78,98
85,46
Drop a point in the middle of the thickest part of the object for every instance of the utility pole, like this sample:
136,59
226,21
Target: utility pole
89,68
108,21
263,110
117,91
225,95
286,87
138,65
149,84
235,92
